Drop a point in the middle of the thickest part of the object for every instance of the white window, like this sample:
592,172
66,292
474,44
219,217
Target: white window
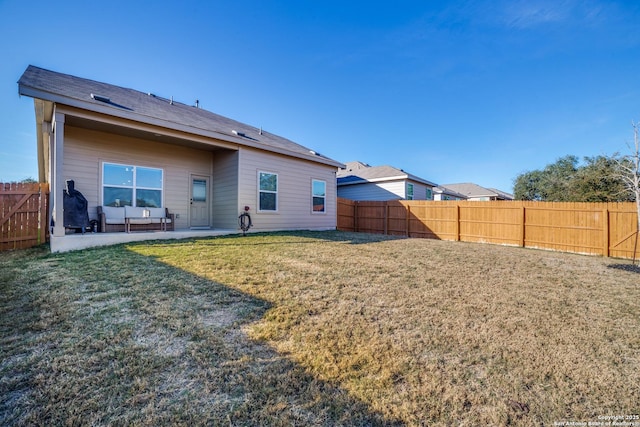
318,196
409,191
129,185
268,191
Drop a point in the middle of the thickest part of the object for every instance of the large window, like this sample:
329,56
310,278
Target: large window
318,195
128,185
268,189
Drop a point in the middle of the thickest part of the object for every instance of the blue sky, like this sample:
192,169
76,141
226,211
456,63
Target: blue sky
451,91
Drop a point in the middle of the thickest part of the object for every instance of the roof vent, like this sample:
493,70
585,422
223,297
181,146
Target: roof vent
314,153
100,98
235,132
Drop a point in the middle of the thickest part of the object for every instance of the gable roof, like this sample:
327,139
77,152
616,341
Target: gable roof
444,190
359,172
505,195
109,99
469,189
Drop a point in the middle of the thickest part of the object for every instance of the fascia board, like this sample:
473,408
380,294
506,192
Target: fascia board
374,180
422,181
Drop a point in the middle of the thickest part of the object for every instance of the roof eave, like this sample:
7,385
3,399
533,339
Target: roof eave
422,181
390,178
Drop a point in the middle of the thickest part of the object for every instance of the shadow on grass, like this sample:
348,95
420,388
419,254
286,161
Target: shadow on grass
301,237
111,336
632,268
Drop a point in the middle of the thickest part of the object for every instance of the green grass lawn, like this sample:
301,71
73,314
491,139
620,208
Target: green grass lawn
326,328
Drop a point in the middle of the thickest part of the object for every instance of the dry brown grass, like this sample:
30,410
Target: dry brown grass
317,329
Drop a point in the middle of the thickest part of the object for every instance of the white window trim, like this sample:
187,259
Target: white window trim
268,191
324,212
133,187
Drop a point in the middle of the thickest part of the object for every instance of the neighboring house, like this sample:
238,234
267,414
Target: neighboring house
443,193
359,181
125,147
475,192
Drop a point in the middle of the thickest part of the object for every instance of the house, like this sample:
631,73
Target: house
360,181
125,147
475,192
444,193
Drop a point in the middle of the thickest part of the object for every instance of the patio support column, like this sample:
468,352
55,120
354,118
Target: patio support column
57,177
46,167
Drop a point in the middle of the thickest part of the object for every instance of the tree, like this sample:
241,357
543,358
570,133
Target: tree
599,181
558,179
596,180
528,186
552,184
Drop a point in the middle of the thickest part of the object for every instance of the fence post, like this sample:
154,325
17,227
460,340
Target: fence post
355,216
408,220
386,217
457,236
605,231
522,225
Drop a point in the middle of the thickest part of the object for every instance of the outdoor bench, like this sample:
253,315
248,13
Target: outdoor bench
129,218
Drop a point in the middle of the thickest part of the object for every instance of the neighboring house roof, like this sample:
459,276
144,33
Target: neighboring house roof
444,190
471,190
149,108
506,196
358,173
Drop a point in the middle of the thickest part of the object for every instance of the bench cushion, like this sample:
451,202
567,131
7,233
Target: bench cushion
131,212
157,212
113,215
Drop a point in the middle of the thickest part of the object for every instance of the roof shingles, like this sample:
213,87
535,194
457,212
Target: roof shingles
76,91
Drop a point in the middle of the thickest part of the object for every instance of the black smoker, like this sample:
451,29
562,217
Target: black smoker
76,214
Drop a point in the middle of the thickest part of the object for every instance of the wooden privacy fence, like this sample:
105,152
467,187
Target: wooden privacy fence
607,229
23,215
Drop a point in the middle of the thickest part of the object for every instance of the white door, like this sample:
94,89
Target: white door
199,211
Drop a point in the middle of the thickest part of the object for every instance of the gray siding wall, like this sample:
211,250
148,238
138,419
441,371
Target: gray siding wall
225,190
379,191
420,191
234,179
390,190
294,192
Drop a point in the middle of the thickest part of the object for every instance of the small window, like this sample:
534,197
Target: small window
268,191
318,196
199,190
429,194
409,191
